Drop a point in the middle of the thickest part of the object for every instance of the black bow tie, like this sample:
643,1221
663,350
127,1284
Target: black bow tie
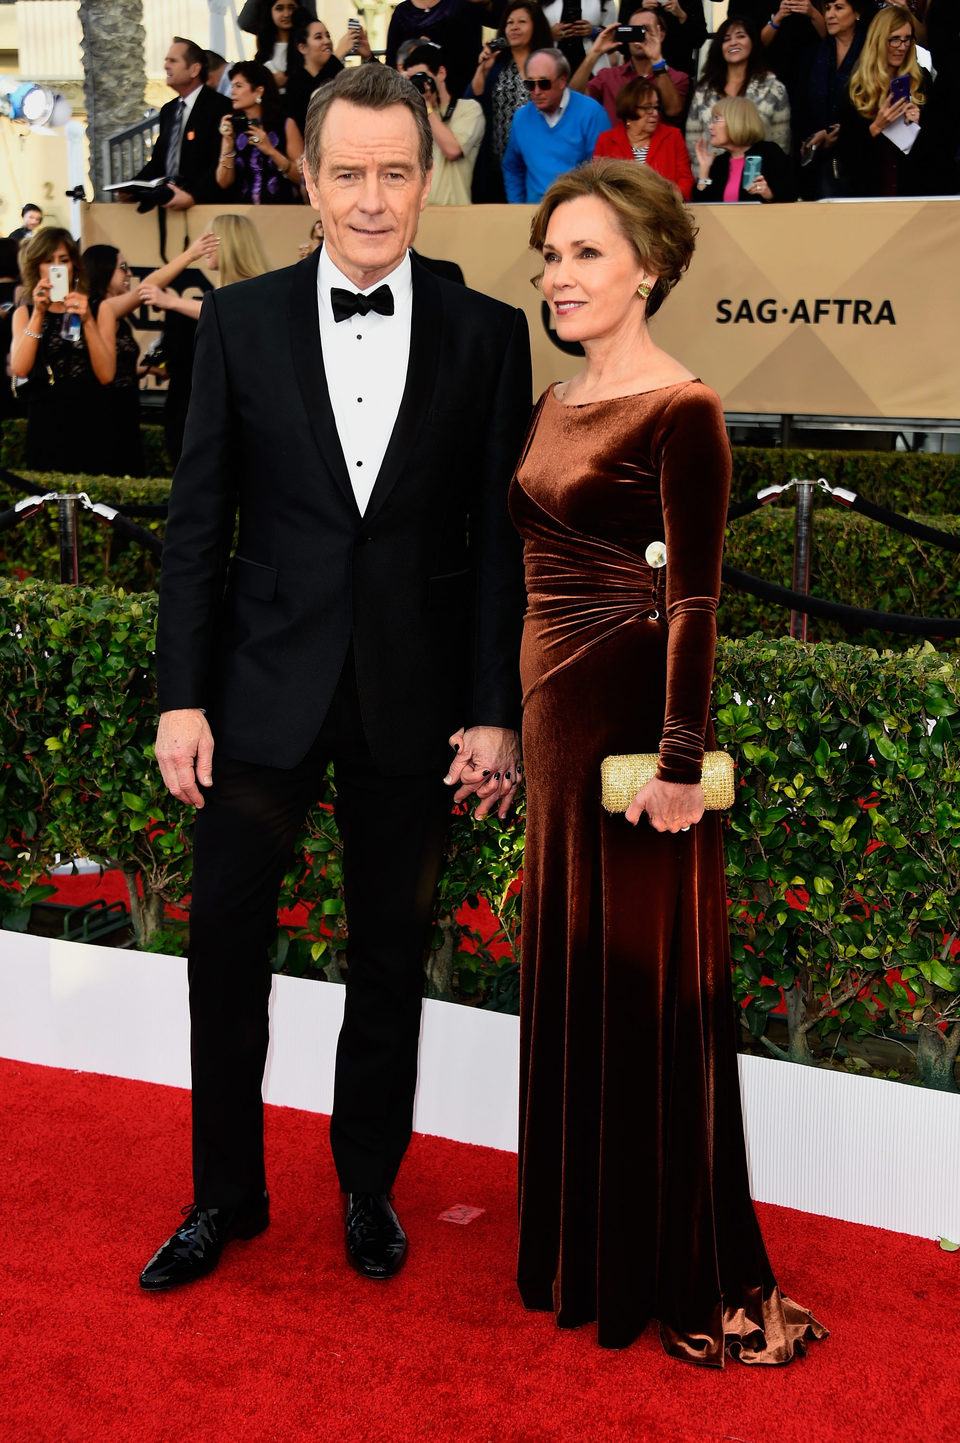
351,303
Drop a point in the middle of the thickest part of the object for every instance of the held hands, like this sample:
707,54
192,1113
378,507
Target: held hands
184,750
760,188
487,764
891,110
669,806
41,297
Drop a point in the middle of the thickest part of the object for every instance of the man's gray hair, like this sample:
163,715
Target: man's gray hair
557,56
373,87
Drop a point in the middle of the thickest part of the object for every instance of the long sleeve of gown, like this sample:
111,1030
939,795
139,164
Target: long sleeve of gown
695,465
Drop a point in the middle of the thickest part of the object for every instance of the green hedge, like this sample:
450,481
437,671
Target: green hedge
843,850
855,561
900,480
14,436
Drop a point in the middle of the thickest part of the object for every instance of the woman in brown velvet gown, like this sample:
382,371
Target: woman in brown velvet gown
634,1196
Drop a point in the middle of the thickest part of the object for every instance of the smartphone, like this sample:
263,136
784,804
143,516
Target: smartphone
59,282
635,33
899,88
752,166
239,122
570,12
355,26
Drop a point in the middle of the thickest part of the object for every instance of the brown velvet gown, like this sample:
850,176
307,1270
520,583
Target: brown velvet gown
634,1196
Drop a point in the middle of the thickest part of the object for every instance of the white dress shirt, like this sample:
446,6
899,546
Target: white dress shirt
365,359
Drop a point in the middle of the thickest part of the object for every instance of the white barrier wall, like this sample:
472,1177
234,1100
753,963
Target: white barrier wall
848,1147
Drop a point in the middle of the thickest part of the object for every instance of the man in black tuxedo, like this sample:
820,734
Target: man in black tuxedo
359,418
187,147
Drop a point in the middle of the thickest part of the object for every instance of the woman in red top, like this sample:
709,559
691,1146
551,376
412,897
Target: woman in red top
641,136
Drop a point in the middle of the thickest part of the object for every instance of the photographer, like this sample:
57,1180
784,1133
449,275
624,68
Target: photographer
644,61
260,149
574,23
457,126
498,85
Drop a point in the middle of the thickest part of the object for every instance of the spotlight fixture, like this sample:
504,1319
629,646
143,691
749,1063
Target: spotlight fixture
38,105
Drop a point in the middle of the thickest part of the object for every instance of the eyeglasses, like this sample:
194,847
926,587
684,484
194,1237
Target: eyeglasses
641,108
541,83
901,44
124,267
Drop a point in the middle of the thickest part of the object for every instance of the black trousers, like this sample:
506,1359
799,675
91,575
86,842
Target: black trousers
393,828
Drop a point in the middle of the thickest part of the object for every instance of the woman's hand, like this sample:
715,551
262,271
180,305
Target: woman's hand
912,113
225,128
486,59
760,188
573,28
669,806
674,8
363,45
160,300
889,112
76,304
203,247
41,297
705,157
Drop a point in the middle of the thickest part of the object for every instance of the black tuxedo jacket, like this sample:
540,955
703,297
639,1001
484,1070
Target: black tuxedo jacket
427,584
199,151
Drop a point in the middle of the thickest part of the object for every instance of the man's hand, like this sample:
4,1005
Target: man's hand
180,199
487,764
184,750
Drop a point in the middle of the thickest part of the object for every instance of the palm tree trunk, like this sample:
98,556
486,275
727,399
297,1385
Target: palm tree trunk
114,75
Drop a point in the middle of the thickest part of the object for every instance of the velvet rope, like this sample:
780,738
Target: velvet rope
896,522
837,611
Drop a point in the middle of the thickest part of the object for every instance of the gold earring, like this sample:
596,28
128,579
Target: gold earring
644,289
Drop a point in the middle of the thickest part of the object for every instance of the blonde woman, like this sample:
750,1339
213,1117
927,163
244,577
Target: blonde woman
236,255
886,95
736,133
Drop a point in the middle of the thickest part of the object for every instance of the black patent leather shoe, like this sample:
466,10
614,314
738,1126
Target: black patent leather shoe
195,1248
376,1243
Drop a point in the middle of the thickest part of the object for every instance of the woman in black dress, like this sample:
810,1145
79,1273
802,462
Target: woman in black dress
58,348
113,299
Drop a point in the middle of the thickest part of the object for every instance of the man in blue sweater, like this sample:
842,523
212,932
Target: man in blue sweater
556,131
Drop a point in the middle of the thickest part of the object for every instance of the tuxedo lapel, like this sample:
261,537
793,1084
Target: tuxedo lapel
425,344
311,376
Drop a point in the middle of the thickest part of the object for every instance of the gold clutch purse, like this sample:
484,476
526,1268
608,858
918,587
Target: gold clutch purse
622,777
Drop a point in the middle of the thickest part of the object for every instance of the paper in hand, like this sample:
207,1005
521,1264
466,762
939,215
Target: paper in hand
904,136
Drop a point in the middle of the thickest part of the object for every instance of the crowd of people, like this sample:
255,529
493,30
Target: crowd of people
839,98
818,99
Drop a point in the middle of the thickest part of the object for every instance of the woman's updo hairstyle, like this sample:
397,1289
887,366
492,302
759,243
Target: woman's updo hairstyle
648,210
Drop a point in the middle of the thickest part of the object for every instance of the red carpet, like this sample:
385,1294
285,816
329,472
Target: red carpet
284,1343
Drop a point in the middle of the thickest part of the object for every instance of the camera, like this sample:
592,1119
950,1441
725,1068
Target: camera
423,81
636,34
499,45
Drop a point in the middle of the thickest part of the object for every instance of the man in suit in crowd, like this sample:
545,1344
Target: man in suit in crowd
187,147
359,418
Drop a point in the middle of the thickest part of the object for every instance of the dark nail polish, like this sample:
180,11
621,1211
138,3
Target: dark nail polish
486,774
497,775
507,775
456,746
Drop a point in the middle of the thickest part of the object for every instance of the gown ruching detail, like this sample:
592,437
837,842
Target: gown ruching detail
634,1192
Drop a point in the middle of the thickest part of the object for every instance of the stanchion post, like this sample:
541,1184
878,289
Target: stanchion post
67,535
802,548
